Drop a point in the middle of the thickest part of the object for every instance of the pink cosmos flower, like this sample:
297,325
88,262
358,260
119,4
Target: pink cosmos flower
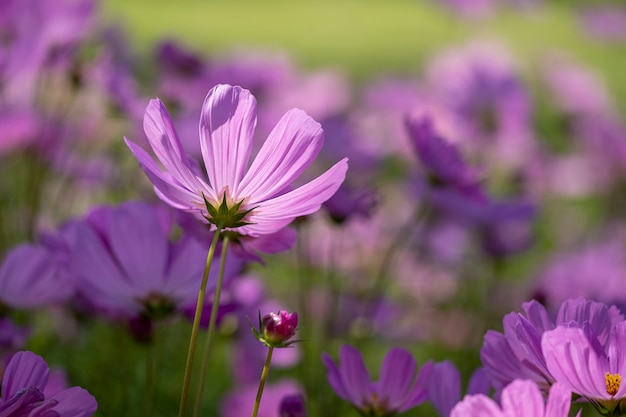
521,398
255,200
578,360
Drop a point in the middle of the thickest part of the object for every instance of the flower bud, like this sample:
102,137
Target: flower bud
279,327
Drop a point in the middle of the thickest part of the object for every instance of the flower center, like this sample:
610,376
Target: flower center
157,306
377,408
612,382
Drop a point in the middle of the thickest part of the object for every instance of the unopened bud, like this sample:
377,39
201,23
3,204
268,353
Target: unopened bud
279,327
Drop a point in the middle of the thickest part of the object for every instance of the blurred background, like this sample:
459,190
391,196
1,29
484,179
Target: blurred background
487,146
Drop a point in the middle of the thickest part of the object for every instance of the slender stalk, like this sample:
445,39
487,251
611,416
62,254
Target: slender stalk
196,322
266,371
211,331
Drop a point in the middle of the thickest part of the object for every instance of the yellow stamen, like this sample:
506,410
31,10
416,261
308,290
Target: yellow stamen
613,382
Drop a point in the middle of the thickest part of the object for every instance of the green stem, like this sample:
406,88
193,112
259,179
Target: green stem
266,371
152,359
211,331
196,322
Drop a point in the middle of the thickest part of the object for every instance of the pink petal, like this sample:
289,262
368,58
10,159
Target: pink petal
573,362
522,398
226,135
168,188
478,405
289,149
334,377
276,213
617,355
167,147
397,375
559,401
354,375
75,402
24,370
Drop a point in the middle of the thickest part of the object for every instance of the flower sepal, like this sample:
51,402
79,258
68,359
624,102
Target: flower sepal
227,217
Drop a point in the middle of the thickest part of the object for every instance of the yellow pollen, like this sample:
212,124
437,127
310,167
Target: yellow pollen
613,382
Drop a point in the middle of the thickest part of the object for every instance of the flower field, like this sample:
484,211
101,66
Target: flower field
290,209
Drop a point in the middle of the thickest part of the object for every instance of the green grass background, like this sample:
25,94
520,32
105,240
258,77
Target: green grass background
364,37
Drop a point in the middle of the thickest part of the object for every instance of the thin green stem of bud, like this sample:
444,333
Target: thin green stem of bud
266,371
211,331
196,323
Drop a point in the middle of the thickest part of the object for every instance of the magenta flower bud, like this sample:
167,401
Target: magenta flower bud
278,328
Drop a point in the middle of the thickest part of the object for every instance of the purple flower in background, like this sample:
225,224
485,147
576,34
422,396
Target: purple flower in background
444,386
518,352
574,89
400,388
607,23
24,383
255,200
454,187
292,406
348,202
240,402
596,270
578,360
480,85
126,264
33,276
381,131
442,161
522,398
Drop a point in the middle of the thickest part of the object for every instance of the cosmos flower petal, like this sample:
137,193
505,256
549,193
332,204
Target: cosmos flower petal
444,389
538,316
167,147
75,402
98,273
24,370
580,310
397,374
617,355
334,377
167,187
289,149
276,213
227,128
354,375
148,242
559,401
30,278
419,390
572,361
499,360
478,405
522,398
